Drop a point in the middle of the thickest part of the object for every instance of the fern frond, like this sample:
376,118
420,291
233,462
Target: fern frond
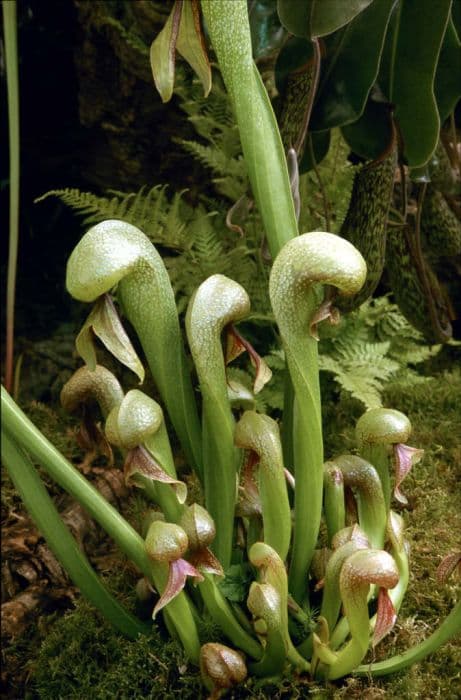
86,204
359,381
215,159
211,116
164,222
371,347
360,352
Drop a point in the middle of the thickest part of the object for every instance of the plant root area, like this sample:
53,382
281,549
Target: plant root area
56,646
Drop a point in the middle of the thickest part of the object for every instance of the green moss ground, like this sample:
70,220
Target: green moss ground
77,655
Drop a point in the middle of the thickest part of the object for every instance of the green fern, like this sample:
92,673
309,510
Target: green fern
371,347
363,371
213,158
270,399
209,252
87,204
212,116
365,353
386,322
213,120
231,180
150,210
332,195
199,238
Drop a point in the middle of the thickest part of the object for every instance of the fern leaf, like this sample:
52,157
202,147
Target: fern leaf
366,387
215,159
84,203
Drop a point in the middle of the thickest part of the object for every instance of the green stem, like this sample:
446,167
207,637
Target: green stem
65,474
333,500
220,461
308,459
130,542
216,303
364,479
164,495
450,627
253,533
295,293
362,568
114,252
378,456
222,615
260,434
272,571
397,593
399,553
228,25
274,659
47,519
11,64
287,422
331,599
398,550
264,604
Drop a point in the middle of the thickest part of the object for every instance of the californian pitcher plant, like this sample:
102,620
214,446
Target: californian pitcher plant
313,606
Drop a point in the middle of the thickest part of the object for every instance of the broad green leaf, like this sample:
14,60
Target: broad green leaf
105,323
190,43
296,52
236,582
320,144
162,54
370,135
447,86
351,67
315,18
295,17
414,45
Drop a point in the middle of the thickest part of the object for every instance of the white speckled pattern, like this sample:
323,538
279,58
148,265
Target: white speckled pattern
382,426
227,22
106,253
218,301
130,424
116,253
312,257
365,567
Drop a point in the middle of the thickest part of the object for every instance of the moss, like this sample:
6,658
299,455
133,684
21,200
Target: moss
81,656
56,430
433,524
